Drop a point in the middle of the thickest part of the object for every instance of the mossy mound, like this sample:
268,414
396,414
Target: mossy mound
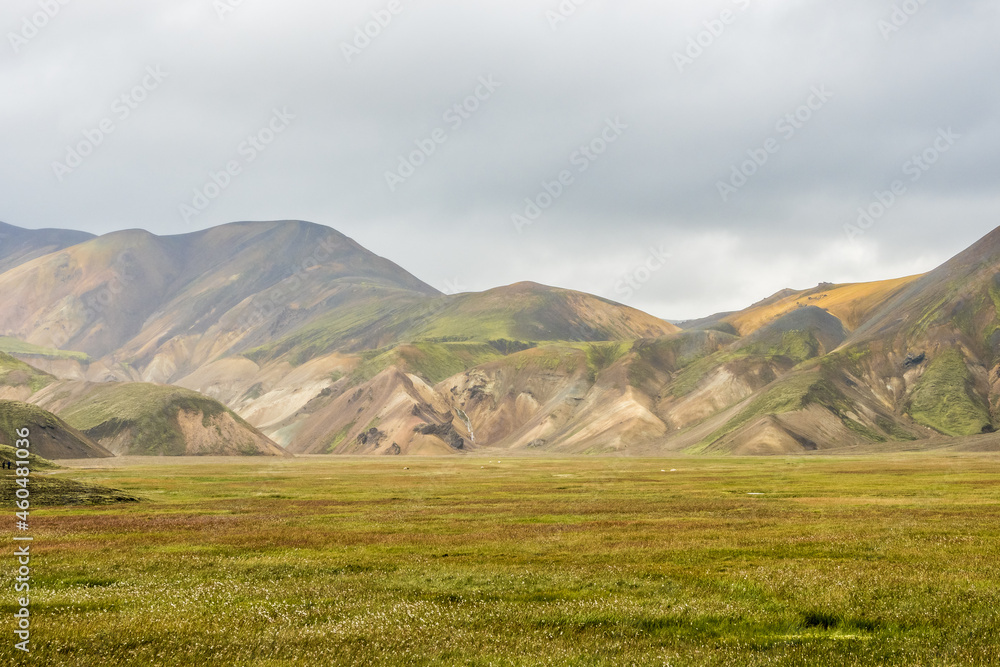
153,420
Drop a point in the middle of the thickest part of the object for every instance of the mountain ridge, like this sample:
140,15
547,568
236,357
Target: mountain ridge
324,347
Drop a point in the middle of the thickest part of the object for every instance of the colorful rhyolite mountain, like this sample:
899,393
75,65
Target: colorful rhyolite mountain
278,337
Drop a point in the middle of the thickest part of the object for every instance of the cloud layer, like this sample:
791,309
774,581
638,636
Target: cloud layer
681,157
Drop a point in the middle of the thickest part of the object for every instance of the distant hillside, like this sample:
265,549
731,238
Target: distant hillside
169,303
520,315
529,311
852,304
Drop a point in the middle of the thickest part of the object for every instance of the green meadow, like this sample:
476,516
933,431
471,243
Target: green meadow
882,560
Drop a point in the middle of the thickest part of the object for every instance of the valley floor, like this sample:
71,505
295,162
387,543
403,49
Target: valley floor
881,560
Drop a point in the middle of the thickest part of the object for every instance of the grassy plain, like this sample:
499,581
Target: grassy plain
888,560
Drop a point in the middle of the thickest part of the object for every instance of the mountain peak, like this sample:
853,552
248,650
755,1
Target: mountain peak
134,289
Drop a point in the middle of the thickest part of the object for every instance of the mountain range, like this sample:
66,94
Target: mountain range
280,338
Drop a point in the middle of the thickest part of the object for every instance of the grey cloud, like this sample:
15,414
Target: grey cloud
452,219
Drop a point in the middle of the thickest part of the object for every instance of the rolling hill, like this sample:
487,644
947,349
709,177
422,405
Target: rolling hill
50,436
140,419
518,316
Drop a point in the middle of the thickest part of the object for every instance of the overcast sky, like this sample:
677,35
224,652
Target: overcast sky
667,97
